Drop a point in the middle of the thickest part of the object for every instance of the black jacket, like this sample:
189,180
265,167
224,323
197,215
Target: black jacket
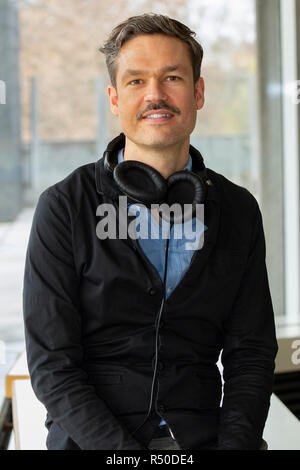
90,307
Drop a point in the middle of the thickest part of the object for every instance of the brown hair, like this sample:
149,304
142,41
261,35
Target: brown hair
150,23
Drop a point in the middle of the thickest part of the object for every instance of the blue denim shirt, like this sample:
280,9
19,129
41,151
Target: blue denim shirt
179,257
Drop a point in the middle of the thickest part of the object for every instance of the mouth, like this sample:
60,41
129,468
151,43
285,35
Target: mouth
157,116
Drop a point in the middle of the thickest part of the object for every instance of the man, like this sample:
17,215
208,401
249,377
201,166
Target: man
123,335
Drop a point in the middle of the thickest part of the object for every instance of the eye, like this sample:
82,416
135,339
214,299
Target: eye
135,82
173,78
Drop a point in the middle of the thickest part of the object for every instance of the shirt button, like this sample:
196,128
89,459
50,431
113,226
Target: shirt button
161,408
151,291
160,365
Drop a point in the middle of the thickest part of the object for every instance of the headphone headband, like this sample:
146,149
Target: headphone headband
111,158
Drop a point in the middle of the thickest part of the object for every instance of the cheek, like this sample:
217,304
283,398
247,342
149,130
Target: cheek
189,109
187,101
129,107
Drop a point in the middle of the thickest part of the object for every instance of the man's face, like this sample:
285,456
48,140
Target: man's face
156,98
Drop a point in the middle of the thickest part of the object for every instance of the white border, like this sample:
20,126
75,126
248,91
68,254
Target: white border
290,160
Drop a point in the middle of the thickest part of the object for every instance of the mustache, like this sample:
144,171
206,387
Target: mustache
157,106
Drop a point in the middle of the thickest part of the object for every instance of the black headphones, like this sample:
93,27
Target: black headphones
142,183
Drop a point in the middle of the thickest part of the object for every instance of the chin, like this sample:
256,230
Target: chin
161,141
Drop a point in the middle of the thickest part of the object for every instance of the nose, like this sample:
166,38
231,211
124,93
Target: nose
154,91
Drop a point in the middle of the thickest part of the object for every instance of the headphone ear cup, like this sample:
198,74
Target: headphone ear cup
140,182
184,187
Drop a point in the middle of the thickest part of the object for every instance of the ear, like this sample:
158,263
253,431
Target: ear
113,99
199,92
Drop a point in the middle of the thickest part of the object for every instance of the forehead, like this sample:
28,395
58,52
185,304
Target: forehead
150,52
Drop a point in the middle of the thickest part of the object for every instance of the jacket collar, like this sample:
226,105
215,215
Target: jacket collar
106,185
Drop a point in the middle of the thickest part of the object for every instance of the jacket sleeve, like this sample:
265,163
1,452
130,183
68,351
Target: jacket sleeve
249,352
53,332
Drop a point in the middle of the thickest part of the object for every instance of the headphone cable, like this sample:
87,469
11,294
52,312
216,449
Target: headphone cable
157,323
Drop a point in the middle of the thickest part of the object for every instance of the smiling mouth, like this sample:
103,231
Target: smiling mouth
158,117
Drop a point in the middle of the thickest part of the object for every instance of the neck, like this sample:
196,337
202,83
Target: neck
166,160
